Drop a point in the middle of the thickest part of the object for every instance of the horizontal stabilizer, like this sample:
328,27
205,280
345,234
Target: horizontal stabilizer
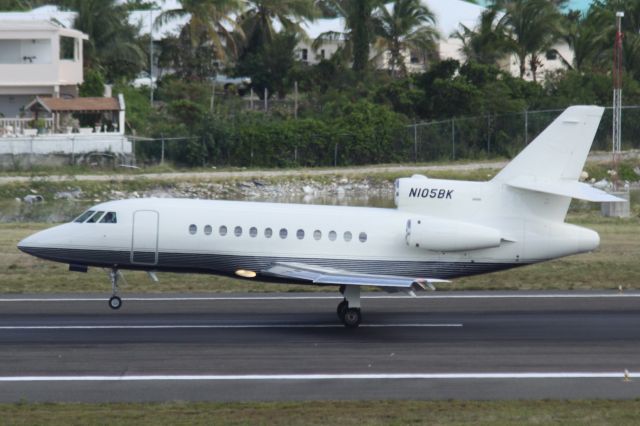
565,188
321,275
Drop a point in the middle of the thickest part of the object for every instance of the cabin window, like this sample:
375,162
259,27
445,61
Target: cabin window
363,237
283,233
333,235
84,216
96,217
208,230
317,234
253,232
300,234
347,236
193,229
110,217
222,230
268,232
237,231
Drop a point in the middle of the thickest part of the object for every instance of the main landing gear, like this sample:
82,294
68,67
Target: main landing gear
349,309
114,302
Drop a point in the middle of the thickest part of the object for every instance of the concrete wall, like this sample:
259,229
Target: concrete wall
53,150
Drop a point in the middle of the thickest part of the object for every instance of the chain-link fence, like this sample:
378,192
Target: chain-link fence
480,137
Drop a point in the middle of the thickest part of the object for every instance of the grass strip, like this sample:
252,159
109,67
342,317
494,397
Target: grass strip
597,412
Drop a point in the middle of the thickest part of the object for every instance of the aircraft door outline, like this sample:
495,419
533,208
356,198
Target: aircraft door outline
144,237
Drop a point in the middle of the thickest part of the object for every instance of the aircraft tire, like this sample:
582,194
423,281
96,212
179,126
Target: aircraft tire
352,318
115,302
342,307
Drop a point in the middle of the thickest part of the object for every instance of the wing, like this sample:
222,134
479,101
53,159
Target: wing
320,275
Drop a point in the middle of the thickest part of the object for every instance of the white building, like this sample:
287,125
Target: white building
38,57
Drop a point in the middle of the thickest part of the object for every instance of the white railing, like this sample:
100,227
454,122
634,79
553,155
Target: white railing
22,126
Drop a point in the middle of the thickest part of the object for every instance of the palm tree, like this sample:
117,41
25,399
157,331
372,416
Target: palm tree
257,19
359,29
530,28
409,25
484,44
113,44
587,40
210,17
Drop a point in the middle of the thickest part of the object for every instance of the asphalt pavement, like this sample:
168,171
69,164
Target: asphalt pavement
282,346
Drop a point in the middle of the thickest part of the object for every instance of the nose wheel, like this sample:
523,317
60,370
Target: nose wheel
349,309
115,302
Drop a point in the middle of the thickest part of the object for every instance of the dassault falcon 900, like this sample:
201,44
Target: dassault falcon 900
440,229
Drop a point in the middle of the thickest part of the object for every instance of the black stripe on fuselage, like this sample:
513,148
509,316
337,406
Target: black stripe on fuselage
225,264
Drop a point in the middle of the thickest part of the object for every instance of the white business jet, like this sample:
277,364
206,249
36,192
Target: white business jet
441,229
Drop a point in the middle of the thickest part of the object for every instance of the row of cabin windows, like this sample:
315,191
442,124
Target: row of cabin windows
268,233
92,216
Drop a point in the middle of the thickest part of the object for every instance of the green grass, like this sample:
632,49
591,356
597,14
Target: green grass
329,413
614,264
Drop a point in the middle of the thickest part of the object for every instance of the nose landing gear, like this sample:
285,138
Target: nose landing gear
349,309
115,302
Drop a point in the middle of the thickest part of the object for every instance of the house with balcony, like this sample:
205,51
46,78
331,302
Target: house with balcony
41,67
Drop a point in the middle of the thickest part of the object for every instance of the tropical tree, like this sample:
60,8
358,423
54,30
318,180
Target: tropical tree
113,45
530,28
483,44
258,18
587,40
359,29
407,25
213,18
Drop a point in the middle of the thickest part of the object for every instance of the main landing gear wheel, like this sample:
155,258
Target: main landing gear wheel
115,302
352,317
349,309
342,307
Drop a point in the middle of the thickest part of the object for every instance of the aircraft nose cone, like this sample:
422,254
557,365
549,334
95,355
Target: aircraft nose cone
26,245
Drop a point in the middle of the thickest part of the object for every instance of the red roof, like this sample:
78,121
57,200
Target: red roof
77,104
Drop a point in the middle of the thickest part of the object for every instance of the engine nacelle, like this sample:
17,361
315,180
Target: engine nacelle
449,235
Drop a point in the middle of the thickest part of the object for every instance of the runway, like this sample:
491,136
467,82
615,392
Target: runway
267,347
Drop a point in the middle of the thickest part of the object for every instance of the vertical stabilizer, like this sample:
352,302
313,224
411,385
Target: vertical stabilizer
560,151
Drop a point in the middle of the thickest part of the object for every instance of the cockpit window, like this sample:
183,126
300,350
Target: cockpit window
110,217
95,218
84,216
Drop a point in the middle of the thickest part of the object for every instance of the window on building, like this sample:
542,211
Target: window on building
67,48
253,232
283,233
237,231
317,234
304,54
222,231
208,230
347,236
268,232
193,229
322,54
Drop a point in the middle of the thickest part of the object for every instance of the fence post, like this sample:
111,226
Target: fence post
162,149
335,155
415,142
453,139
266,95
295,100
295,155
251,100
526,127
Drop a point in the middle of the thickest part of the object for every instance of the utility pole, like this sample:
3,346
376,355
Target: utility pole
617,94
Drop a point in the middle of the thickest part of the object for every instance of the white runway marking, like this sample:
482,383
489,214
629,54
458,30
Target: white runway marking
311,297
211,326
308,377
